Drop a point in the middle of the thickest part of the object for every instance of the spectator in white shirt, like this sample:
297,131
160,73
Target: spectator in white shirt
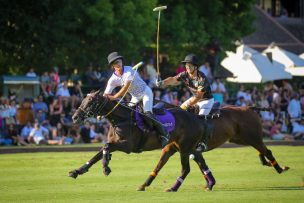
294,107
38,134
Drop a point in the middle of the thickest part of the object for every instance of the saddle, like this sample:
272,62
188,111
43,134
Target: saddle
161,114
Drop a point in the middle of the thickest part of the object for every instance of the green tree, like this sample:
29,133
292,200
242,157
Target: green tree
67,33
188,26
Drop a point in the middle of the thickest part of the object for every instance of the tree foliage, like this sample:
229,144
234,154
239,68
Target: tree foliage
68,33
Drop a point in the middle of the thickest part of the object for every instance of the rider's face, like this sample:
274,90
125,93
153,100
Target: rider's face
117,64
190,68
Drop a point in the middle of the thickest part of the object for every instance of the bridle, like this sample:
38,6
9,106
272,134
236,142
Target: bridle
92,111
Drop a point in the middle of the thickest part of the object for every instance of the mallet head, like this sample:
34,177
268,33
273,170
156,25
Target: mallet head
160,8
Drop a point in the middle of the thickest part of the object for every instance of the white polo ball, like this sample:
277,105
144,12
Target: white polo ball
191,156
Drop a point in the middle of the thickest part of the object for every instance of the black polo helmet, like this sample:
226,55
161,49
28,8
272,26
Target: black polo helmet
191,58
113,57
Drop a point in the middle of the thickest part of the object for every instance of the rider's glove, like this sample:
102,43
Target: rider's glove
184,107
159,83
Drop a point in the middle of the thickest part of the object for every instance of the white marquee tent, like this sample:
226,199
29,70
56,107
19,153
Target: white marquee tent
292,62
250,66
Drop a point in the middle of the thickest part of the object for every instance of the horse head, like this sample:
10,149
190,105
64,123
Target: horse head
91,106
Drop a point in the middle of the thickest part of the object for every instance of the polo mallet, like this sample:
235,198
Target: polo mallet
159,9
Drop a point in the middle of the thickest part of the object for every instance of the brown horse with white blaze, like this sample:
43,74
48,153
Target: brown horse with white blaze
240,125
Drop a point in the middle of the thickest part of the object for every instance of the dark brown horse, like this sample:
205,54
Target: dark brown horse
240,125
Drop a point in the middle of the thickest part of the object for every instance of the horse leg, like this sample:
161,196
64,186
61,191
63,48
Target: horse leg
123,146
85,168
185,171
268,154
166,153
264,162
210,180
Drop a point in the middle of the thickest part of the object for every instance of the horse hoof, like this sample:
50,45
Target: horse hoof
106,171
170,190
285,168
141,188
208,188
73,174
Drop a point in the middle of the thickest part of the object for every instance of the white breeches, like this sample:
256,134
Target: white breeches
147,99
205,106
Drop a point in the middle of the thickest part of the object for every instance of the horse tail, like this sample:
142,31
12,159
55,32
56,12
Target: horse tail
258,109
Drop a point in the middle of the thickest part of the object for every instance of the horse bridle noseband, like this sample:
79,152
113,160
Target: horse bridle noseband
92,111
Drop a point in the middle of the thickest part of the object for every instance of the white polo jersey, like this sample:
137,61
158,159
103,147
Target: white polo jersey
137,87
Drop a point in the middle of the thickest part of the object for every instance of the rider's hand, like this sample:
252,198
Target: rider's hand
159,83
111,97
184,107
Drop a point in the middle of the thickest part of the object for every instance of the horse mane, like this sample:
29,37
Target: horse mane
254,108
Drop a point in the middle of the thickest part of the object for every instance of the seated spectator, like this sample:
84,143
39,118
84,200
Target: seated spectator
298,129
38,135
31,73
40,109
262,101
76,95
25,131
276,133
63,93
45,83
5,111
13,134
25,113
55,111
85,133
94,136
74,133
55,80
248,98
60,135
241,102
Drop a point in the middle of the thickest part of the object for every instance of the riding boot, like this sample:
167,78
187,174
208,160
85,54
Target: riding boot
164,135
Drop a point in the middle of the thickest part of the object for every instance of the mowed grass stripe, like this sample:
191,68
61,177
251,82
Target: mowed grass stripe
42,177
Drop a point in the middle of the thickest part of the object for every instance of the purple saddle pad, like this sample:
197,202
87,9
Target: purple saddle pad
167,119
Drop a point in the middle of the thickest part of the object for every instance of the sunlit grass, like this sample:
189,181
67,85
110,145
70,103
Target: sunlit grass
42,177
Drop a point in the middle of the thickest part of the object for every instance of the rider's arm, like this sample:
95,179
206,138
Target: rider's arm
198,96
122,91
170,81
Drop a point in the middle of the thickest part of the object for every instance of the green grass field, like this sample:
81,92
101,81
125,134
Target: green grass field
42,177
